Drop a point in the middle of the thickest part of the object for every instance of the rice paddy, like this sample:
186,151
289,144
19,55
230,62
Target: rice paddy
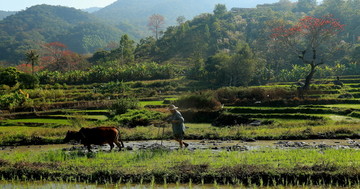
323,117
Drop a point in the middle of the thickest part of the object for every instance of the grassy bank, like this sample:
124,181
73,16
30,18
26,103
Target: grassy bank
25,135
280,130
263,167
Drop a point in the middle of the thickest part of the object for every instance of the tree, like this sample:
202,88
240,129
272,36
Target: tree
241,67
9,76
180,20
155,24
231,69
28,81
126,49
305,6
220,10
308,38
145,48
32,58
56,57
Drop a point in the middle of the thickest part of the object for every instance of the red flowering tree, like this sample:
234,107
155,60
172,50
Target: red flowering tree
306,39
56,57
155,24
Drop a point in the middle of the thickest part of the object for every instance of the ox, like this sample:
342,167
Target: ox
97,136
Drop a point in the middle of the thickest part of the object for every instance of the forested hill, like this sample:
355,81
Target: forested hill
79,31
4,14
137,12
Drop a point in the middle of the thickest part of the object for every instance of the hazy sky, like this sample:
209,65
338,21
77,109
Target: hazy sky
17,5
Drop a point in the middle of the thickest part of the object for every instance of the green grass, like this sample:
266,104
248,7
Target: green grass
157,102
145,103
98,117
280,129
42,120
345,106
262,167
88,111
22,135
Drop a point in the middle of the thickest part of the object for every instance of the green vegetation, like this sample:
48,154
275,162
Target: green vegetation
230,80
263,167
292,119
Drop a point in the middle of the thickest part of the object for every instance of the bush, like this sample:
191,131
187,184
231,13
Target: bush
114,87
199,101
234,94
12,100
135,118
28,81
230,120
52,94
227,94
122,105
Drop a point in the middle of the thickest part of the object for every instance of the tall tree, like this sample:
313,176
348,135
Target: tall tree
307,39
56,57
155,24
180,20
220,10
32,58
126,49
305,6
145,48
241,67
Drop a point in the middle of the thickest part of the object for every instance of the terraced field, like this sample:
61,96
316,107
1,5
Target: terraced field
323,111
329,112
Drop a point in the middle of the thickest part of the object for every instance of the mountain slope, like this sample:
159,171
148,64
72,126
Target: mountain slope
40,24
4,14
137,12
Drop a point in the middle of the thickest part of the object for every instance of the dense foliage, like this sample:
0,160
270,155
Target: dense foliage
134,118
40,24
102,74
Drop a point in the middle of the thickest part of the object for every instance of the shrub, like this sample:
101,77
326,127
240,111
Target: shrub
122,105
46,94
135,118
114,87
12,100
230,120
234,94
28,81
226,94
77,120
204,100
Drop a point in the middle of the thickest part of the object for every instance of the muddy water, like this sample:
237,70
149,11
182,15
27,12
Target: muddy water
228,145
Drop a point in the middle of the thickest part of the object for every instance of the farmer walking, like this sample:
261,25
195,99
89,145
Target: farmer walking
178,127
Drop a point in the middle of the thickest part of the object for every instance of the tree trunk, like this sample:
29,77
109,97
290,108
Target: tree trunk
309,77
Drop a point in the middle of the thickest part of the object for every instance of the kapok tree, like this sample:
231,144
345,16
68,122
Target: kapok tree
56,57
307,39
155,24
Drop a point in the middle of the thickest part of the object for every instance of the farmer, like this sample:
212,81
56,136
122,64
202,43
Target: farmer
178,127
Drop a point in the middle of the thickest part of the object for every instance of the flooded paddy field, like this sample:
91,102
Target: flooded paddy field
215,145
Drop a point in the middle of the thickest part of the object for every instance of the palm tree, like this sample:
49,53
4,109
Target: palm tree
32,58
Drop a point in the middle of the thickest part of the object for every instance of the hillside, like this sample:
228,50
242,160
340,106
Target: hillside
79,31
4,14
137,12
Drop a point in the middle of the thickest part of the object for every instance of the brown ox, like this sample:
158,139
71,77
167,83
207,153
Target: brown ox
97,136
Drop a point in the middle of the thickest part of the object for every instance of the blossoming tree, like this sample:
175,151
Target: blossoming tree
306,38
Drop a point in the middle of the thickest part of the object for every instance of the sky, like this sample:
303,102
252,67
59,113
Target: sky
18,5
